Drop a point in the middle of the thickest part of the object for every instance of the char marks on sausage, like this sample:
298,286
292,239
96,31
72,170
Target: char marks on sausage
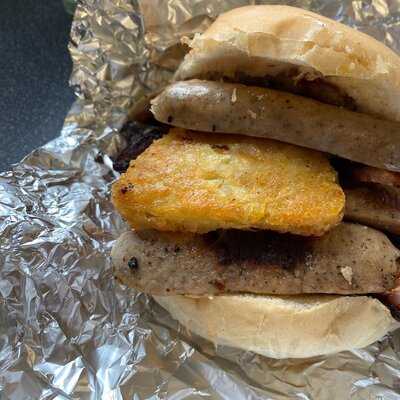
349,259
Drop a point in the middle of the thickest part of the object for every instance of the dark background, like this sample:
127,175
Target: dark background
34,70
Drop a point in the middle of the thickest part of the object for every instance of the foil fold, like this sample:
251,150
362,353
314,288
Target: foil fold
67,329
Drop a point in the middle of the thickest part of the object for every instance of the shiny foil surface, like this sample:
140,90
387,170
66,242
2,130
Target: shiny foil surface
67,329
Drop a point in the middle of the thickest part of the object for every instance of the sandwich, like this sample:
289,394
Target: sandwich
266,214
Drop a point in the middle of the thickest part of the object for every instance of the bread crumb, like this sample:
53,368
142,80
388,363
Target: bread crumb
234,97
252,114
347,273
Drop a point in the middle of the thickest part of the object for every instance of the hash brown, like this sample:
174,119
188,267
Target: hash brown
197,182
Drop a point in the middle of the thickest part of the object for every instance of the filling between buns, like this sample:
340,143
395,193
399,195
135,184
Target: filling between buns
214,189
292,80
347,260
191,182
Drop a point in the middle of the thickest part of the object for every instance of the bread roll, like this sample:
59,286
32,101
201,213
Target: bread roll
284,327
260,41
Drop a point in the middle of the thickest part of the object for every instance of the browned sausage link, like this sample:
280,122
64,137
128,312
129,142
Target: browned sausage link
375,175
233,108
373,207
349,259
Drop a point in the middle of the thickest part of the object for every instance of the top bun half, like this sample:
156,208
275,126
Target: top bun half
260,41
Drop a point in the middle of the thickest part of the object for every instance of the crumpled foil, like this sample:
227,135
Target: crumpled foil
67,329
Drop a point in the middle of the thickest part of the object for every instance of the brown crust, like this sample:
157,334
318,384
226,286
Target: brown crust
253,249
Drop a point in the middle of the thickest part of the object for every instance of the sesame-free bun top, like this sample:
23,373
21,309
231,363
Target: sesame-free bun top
265,40
283,326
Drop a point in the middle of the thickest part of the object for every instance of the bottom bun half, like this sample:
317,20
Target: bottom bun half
284,327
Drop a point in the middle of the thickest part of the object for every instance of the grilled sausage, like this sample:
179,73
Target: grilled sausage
349,259
370,206
254,111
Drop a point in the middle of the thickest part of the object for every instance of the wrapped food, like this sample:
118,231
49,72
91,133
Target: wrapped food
68,329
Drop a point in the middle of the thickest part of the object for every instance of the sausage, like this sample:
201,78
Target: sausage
368,205
254,111
349,259
372,175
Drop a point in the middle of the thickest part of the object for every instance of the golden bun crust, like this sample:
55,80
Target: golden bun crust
196,182
284,327
266,40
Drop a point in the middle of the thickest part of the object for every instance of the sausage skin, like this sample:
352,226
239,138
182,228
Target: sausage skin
254,111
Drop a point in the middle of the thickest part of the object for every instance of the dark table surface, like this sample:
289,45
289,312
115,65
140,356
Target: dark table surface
35,66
